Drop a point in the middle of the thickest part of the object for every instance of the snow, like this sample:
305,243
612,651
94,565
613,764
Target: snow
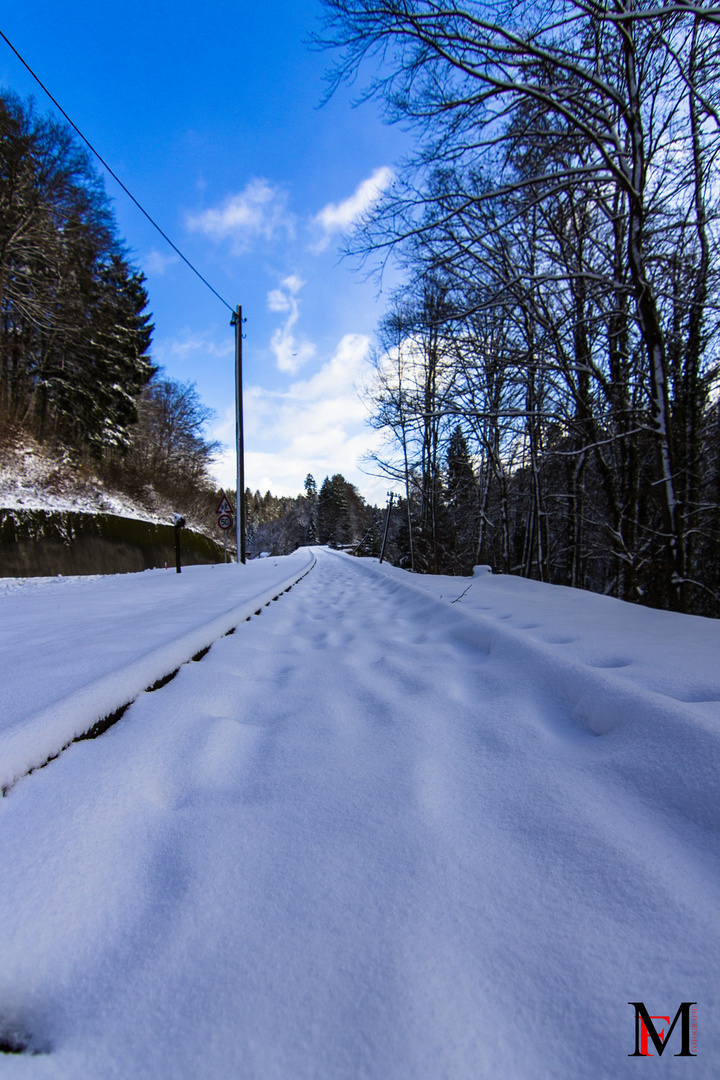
120,634
32,478
396,827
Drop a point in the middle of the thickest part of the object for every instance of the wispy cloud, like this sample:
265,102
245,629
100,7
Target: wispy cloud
290,352
259,210
318,425
338,217
192,348
155,262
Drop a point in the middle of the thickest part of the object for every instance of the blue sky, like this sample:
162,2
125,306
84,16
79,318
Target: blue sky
210,116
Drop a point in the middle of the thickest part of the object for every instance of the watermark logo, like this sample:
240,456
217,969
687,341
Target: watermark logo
646,1031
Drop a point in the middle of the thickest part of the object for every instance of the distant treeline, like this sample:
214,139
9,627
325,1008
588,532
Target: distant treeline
336,515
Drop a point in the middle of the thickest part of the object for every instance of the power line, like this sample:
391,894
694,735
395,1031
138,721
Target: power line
115,176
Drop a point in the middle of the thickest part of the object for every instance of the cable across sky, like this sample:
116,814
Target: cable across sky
115,176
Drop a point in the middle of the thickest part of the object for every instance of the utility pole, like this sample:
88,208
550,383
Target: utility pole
237,321
391,496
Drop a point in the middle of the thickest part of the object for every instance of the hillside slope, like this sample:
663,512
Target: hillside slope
58,518
35,478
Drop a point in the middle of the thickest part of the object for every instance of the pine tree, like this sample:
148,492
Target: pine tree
332,512
117,367
311,535
461,502
74,338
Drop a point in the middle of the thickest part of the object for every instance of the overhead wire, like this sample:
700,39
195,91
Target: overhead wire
115,176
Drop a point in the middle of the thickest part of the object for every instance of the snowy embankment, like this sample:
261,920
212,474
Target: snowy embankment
375,833
652,676
74,650
32,478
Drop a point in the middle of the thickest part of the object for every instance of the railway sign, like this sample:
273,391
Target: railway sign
225,521
225,507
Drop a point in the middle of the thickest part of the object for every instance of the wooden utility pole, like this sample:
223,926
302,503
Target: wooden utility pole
391,496
237,321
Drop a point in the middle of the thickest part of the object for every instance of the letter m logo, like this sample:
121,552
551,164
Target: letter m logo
645,1031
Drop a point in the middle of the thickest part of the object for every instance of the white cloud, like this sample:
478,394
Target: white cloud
338,217
195,347
317,426
157,263
278,301
259,210
290,353
293,283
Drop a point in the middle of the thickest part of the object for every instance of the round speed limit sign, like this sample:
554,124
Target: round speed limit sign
225,521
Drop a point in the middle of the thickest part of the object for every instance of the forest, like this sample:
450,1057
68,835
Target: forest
336,515
75,367
547,375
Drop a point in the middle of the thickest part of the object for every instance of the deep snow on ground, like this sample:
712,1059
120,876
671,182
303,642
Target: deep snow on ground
100,641
372,834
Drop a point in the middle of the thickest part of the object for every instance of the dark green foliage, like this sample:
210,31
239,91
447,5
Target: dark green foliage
460,479
311,535
74,338
371,540
461,496
280,524
75,370
333,513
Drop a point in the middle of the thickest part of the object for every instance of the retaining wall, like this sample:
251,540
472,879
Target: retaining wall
41,543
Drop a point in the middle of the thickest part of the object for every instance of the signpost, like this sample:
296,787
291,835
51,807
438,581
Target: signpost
225,520
179,522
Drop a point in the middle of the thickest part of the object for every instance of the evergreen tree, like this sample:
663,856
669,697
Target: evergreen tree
115,366
74,338
332,512
460,477
311,535
461,504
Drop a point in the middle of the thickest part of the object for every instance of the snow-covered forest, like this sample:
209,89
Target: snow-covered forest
74,335
336,514
76,377
557,329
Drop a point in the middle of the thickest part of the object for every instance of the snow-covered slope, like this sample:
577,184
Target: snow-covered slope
384,830
31,478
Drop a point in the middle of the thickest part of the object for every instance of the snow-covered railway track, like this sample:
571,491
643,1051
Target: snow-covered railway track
377,832
92,709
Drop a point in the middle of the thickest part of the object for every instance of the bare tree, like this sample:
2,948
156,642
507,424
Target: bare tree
608,112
